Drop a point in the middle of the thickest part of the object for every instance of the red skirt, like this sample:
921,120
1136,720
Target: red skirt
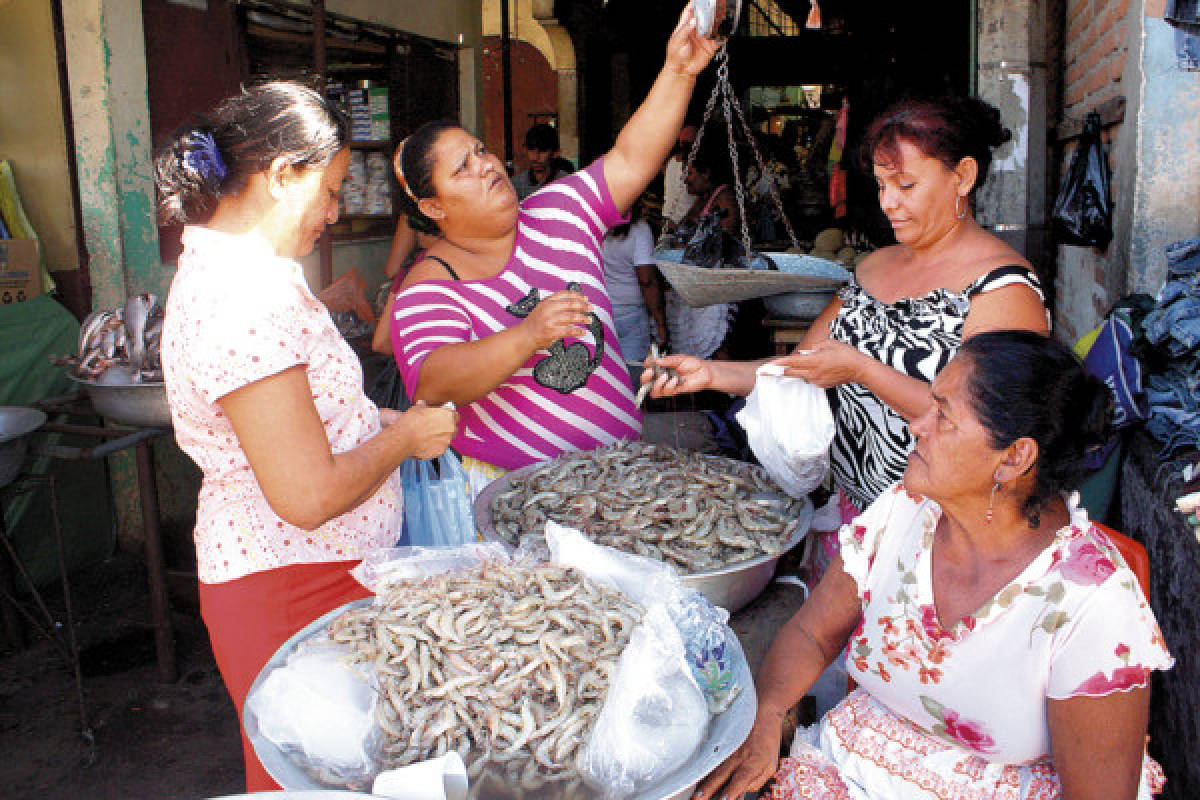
249,618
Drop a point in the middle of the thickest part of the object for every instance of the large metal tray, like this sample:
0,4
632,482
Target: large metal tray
16,423
726,731
140,405
805,279
731,587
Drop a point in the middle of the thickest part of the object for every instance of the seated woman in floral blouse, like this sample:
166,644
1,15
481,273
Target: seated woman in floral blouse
1002,647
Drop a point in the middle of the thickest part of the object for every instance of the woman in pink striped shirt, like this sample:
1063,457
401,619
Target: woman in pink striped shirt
508,316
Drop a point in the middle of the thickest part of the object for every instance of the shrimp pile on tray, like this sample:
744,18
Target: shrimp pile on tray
697,512
507,665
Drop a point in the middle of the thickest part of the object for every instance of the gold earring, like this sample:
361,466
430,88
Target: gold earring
991,502
965,206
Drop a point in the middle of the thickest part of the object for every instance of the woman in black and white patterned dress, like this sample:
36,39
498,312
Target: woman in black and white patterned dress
901,318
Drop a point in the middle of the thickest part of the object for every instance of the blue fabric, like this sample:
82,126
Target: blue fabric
1183,258
633,330
1172,335
1110,360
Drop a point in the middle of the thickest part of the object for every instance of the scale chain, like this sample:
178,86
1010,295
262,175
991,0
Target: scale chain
730,105
737,107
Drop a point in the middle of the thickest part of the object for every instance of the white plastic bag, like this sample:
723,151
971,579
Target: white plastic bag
709,645
654,716
790,427
322,709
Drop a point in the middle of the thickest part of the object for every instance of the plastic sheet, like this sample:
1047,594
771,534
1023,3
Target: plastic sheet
322,711
654,715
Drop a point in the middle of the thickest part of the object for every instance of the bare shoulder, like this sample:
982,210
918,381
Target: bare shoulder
880,261
427,269
985,251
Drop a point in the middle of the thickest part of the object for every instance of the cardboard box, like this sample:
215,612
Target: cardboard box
20,271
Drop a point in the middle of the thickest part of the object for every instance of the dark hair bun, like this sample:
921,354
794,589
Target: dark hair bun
947,128
979,120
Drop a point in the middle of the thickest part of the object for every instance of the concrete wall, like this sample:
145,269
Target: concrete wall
1166,194
113,148
1101,61
32,137
1012,75
1119,47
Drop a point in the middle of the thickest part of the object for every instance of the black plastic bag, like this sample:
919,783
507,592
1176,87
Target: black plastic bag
1083,209
706,244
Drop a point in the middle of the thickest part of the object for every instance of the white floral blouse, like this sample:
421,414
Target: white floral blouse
237,313
962,712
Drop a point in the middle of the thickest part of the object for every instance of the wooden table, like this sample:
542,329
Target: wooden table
786,332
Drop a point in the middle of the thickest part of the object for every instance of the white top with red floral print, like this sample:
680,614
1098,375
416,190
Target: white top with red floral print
1073,623
238,313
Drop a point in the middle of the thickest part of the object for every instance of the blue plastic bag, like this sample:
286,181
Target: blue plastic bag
437,503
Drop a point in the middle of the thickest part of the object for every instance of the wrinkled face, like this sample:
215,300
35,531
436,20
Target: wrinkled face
312,202
468,181
918,193
953,456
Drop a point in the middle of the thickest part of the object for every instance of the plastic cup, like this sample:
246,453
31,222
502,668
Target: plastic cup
442,778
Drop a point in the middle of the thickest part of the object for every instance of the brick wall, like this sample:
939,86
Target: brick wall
1094,50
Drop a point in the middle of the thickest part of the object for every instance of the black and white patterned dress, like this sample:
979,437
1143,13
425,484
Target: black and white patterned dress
915,335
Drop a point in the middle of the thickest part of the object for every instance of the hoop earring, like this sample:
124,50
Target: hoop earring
965,207
403,181
991,502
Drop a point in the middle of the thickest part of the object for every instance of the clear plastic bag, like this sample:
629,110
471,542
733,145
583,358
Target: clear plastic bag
321,708
654,716
384,565
709,646
437,504
790,427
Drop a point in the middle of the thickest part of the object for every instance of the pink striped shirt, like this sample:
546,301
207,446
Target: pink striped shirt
576,395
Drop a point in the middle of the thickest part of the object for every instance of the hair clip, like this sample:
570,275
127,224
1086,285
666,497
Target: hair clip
203,158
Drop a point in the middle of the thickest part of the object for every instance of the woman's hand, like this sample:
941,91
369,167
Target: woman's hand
750,766
562,314
830,363
688,53
431,429
691,374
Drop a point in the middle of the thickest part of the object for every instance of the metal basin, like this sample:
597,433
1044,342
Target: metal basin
16,423
731,587
726,731
140,405
803,305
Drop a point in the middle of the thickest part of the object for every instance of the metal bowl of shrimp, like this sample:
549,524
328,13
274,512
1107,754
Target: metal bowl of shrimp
721,523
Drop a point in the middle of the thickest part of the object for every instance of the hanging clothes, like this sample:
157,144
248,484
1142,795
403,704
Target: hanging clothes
837,173
814,16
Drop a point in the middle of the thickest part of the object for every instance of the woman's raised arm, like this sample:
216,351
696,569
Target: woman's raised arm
646,140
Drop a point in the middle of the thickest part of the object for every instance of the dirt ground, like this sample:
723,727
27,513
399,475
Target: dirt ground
177,741
174,741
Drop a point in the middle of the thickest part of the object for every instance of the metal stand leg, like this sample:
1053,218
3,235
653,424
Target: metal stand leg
164,644
53,631
14,633
89,740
